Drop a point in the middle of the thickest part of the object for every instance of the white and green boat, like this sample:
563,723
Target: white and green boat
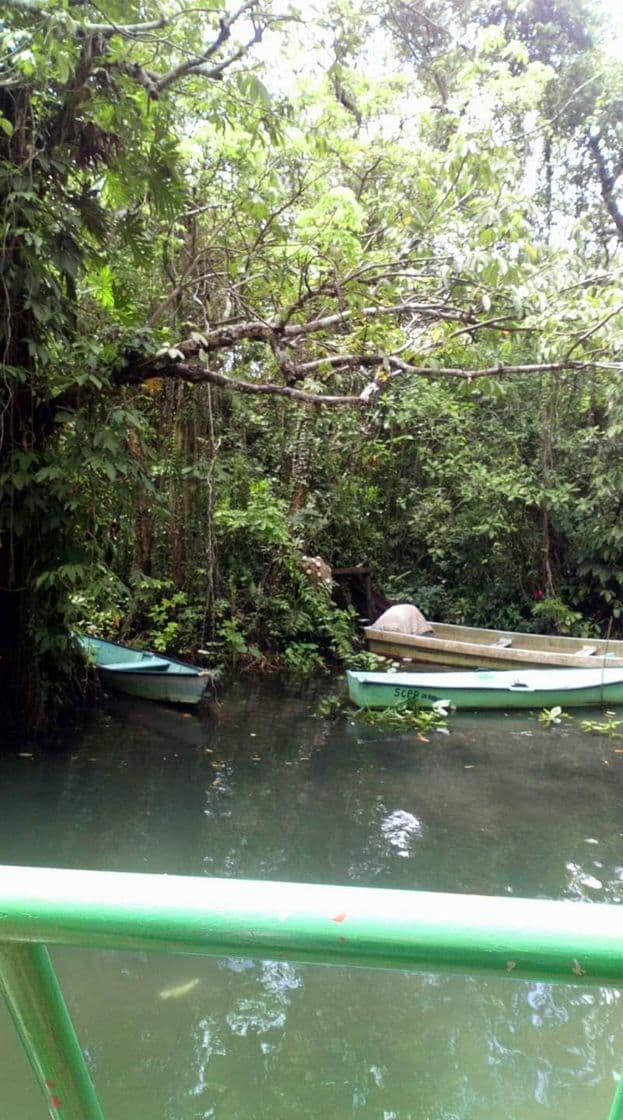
484,688
144,674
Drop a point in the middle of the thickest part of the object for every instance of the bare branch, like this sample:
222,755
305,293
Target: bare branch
144,371
127,30
593,330
429,310
344,97
196,64
138,74
225,336
175,291
172,363
214,72
394,366
504,323
500,370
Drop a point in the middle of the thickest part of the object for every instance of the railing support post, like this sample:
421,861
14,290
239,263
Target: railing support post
35,1001
616,1111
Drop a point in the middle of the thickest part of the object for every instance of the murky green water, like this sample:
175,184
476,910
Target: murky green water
263,790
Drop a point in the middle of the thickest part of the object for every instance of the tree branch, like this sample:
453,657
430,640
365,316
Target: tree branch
426,310
152,81
593,330
135,374
274,331
197,63
394,366
128,30
33,8
170,364
607,183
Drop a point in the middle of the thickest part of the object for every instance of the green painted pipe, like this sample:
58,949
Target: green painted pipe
29,985
616,1110
512,937
518,938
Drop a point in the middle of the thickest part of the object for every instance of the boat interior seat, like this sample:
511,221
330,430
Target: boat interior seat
145,665
587,651
502,643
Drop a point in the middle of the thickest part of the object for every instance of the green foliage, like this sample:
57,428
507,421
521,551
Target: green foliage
99,608
158,615
261,521
303,659
172,623
233,639
552,614
135,217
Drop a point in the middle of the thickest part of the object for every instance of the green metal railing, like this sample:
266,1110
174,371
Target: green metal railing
524,939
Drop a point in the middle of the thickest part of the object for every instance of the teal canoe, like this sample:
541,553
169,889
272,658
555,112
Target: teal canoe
481,689
144,674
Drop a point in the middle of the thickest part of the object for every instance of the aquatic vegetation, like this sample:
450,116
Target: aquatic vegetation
400,718
608,726
331,707
405,719
372,662
551,716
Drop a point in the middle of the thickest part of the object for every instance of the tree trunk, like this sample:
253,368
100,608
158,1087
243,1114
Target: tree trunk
38,665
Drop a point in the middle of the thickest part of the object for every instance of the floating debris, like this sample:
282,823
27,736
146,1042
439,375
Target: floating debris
180,990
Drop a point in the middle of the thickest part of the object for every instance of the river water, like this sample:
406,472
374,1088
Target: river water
259,788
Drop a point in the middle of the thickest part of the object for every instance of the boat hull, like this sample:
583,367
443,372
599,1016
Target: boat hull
168,688
482,690
144,674
470,647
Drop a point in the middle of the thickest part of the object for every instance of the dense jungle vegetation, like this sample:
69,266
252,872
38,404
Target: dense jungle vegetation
340,278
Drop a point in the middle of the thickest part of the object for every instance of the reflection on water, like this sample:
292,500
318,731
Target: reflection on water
399,829
261,789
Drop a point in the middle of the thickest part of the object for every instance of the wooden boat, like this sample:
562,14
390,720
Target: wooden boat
483,688
469,647
145,674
